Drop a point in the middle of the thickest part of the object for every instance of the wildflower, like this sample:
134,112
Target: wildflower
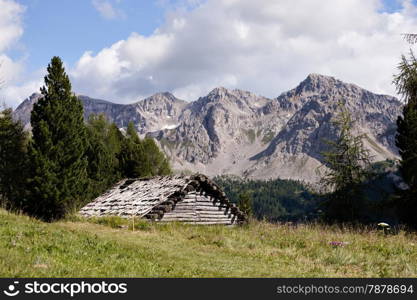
338,244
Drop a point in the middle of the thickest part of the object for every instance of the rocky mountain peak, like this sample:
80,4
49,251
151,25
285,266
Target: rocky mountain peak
232,99
23,111
32,99
238,132
218,94
161,97
317,83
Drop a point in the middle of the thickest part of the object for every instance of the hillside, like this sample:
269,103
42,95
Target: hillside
237,132
29,248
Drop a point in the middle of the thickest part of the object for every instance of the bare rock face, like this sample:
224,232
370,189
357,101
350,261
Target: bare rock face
154,113
237,132
157,112
23,111
296,151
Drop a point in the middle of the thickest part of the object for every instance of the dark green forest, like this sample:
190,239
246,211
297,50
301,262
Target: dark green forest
289,200
273,200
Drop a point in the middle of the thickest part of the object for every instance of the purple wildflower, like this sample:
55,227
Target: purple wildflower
337,244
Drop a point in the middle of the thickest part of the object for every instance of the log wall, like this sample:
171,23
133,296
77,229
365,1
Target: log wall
199,209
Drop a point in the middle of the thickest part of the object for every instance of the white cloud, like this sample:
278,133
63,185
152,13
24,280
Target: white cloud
263,46
107,9
15,94
11,29
9,69
10,23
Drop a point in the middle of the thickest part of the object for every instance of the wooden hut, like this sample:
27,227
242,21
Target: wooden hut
191,199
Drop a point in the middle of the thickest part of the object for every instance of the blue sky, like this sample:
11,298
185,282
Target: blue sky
124,50
391,6
70,27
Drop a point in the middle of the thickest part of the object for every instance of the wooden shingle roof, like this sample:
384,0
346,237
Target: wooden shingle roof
152,197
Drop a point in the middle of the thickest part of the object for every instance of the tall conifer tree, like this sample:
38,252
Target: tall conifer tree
348,162
58,149
13,160
104,145
406,139
132,154
142,158
155,161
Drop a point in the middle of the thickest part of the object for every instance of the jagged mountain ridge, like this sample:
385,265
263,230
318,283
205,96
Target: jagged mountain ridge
147,114
237,132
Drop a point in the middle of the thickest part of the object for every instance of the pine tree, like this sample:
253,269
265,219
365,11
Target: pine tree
132,155
58,150
102,151
155,161
406,139
245,203
347,163
142,158
13,160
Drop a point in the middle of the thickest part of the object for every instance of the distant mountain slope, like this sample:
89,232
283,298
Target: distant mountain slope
147,114
297,148
237,132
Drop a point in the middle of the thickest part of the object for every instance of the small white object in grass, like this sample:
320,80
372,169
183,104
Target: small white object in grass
385,227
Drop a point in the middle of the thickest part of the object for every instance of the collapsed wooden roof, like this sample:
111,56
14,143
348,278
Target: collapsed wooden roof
152,197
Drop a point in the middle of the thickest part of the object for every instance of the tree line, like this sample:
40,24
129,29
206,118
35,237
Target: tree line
65,162
273,200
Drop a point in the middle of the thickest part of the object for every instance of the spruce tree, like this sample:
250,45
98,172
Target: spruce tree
142,158
132,155
57,152
155,162
406,138
245,203
13,161
347,164
102,151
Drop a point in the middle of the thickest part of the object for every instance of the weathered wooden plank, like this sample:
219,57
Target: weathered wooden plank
178,220
213,222
210,210
219,216
214,219
197,204
179,215
187,201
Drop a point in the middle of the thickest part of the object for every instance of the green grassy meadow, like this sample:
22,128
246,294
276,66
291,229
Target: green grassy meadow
110,248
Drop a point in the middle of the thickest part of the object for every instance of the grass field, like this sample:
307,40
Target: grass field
77,248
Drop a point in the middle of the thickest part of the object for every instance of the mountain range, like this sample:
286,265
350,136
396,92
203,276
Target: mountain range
240,133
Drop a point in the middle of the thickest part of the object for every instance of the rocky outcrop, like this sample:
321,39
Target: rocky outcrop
23,111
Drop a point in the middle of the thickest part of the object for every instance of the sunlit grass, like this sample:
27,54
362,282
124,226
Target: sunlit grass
111,248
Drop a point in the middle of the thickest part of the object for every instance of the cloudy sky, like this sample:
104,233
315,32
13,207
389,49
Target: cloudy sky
124,50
